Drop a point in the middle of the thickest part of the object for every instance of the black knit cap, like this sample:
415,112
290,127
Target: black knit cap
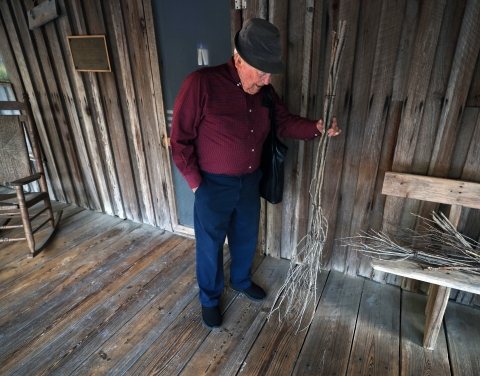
259,44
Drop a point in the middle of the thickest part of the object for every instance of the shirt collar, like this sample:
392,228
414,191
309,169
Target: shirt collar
233,72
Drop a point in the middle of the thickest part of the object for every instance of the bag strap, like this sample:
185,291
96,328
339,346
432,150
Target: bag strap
268,102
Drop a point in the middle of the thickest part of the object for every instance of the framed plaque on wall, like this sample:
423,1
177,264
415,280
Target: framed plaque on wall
89,53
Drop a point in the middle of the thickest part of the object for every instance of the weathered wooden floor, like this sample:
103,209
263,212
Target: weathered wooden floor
110,296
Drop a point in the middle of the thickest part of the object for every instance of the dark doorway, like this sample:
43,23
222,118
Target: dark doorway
189,33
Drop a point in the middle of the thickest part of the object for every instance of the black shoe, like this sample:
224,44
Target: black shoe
254,292
211,317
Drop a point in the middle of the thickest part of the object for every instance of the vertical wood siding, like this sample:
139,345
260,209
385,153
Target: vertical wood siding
408,100
102,133
278,15
415,89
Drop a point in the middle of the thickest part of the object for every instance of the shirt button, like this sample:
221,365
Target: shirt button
249,166
316,135
253,149
250,110
251,131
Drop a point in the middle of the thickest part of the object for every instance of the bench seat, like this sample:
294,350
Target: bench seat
449,278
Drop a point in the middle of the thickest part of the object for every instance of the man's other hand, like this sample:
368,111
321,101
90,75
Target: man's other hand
333,130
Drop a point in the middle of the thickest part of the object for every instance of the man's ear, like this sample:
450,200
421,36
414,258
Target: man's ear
238,60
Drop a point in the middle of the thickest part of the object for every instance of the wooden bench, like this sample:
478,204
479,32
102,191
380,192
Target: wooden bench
445,191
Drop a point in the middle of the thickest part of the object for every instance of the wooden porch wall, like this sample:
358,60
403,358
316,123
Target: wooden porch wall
408,100
102,133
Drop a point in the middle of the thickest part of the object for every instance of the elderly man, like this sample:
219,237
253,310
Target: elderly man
218,129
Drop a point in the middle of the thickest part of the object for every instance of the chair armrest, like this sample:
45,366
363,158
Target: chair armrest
12,105
26,180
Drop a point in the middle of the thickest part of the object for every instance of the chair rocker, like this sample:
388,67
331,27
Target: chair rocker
16,170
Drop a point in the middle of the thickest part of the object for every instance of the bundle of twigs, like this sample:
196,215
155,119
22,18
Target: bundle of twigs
437,245
297,296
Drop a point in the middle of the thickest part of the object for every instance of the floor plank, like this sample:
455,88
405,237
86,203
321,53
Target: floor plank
223,351
64,241
176,289
76,291
167,295
172,350
327,347
55,273
79,223
415,360
11,251
463,333
71,330
376,341
277,346
110,296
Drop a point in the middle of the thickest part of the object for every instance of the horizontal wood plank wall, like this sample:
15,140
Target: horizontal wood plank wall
408,100
101,133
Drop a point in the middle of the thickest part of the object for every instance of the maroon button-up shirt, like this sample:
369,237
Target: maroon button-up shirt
217,127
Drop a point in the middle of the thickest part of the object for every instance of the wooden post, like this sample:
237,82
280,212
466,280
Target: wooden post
429,301
439,296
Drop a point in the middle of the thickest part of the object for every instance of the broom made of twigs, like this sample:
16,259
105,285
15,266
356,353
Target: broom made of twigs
298,293
437,246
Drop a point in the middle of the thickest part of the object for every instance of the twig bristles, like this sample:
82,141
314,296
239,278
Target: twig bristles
438,244
298,295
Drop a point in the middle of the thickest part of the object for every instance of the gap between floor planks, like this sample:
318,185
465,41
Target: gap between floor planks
129,305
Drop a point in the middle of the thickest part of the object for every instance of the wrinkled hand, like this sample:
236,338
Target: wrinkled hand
333,130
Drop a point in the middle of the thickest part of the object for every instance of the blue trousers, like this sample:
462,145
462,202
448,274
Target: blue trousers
225,206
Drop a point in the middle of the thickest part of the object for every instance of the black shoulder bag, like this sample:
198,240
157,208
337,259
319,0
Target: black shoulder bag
273,157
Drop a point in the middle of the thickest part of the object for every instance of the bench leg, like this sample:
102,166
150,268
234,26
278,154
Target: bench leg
436,305
410,284
430,299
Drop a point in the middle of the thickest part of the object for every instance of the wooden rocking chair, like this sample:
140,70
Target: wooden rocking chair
16,170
